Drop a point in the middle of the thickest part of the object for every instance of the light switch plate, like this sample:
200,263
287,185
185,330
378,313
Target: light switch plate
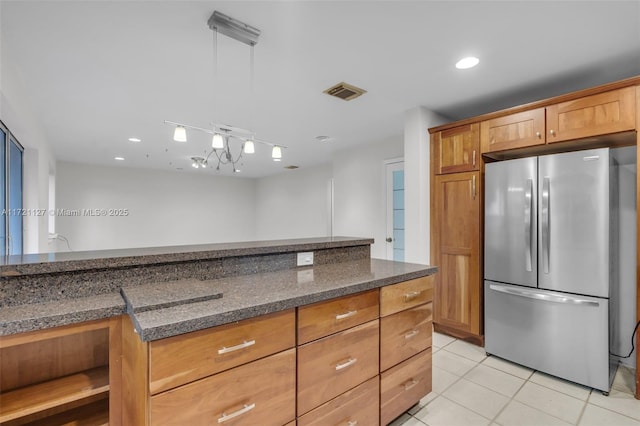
305,258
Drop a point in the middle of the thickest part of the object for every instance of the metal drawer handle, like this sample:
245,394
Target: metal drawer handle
346,364
242,345
411,334
411,383
346,315
412,295
245,409
352,423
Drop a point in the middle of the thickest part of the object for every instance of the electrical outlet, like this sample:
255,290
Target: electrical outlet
305,258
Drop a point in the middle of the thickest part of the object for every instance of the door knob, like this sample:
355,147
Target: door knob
389,239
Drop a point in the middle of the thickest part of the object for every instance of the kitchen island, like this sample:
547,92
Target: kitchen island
157,331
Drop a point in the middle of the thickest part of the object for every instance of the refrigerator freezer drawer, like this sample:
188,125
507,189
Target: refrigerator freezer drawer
560,334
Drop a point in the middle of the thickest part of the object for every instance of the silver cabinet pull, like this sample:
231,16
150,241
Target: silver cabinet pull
528,200
411,334
411,383
473,186
546,190
474,158
245,409
411,295
245,344
346,315
346,364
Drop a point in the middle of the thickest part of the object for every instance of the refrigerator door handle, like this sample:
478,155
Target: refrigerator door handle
546,187
566,299
528,200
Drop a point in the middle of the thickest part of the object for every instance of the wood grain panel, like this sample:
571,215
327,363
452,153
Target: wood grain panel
458,299
513,131
404,334
135,376
115,371
398,297
457,150
600,114
335,364
269,383
358,406
199,352
404,385
325,318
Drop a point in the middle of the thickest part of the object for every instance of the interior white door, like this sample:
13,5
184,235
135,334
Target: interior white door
395,209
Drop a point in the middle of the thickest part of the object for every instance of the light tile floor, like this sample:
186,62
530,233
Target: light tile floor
470,389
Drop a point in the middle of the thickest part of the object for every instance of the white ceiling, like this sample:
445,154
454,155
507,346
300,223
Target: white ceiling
98,72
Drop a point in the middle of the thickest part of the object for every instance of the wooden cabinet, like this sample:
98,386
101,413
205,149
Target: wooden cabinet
604,113
260,392
61,375
405,345
457,150
456,249
590,116
513,131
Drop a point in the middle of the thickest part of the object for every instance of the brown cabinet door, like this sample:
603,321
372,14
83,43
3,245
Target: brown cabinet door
457,150
457,301
601,114
513,131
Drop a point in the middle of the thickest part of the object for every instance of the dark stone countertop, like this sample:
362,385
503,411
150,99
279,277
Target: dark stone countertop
171,308
46,263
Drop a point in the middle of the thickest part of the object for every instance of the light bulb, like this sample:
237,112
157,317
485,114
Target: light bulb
249,147
217,142
180,134
468,62
276,153
194,164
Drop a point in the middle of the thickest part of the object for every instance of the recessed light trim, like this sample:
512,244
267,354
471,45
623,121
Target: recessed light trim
118,158
135,140
468,62
323,138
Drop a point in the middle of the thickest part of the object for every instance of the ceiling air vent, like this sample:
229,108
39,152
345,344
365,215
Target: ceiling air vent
345,91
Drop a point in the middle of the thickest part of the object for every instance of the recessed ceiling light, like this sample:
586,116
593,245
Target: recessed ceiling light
468,62
119,158
135,140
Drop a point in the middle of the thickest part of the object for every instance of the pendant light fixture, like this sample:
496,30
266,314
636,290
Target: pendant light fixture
224,136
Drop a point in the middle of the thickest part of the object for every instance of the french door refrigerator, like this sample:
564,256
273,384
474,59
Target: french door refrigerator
549,237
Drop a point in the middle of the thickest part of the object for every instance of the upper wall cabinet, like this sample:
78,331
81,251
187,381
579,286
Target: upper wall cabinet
589,116
513,131
601,114
457,150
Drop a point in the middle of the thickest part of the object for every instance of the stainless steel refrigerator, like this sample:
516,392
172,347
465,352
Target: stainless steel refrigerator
550,234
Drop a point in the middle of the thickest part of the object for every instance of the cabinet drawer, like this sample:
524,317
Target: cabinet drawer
405,295
181,359
261,392
334,364
404,334
404,385
600,114
360,405
513,131
325,318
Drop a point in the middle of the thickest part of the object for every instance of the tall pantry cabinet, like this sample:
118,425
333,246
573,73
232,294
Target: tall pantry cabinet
456,199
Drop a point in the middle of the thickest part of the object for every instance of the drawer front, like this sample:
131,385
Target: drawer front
261,392
357,406
405,295
325,318
404,334
182,359
404,385
335,364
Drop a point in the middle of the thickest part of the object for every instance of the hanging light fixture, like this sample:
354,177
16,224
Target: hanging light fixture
224,136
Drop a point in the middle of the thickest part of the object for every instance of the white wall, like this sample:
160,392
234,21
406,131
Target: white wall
360,192
38,159
294,204
416,183
165,208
